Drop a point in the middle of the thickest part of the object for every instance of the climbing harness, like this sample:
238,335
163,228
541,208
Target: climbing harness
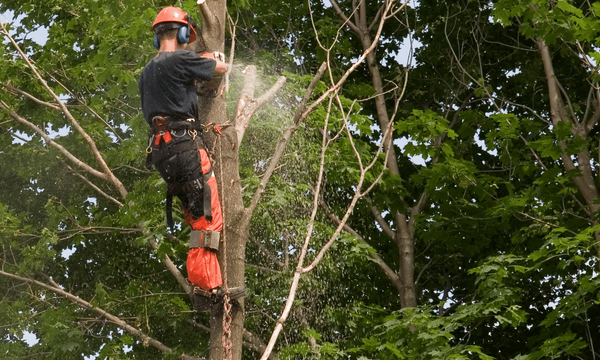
171,136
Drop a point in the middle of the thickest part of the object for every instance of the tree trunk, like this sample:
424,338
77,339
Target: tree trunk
212,110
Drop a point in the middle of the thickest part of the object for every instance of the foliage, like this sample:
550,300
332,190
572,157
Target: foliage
506,248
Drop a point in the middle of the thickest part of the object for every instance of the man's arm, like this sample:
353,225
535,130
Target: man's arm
221,67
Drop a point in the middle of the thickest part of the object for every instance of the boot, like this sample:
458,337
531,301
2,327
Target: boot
201,299
234,293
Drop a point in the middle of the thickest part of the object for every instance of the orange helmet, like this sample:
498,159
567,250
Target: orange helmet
174,14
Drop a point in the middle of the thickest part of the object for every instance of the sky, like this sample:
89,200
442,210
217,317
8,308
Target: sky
39,36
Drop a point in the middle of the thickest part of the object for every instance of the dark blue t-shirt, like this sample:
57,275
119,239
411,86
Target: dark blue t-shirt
167,84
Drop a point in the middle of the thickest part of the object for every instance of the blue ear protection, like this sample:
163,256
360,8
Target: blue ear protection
183,34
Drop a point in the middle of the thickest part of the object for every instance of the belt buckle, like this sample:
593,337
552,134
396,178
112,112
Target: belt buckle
159,120
161,124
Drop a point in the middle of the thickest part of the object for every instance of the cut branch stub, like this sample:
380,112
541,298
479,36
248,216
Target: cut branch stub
247,105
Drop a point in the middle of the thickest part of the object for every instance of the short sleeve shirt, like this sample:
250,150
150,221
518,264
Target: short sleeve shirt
167,84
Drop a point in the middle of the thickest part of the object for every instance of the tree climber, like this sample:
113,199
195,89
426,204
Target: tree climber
176,147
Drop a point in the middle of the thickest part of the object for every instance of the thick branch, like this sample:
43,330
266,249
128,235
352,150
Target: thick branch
247,105
377,16
173,269
344,18
585,183
593,120
415,210
210,23
267,253
384,225
112,318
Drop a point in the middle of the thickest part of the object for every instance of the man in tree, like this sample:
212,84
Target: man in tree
176,148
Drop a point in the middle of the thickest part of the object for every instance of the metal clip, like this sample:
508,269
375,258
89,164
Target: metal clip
208,127
193,134
149,148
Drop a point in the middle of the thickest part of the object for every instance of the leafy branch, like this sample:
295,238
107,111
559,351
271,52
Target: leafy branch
54,287
106,173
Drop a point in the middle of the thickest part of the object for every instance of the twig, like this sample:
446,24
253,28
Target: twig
12,89
267,253
94,186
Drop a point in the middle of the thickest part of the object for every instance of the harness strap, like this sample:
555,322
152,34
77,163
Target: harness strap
204,239
207,197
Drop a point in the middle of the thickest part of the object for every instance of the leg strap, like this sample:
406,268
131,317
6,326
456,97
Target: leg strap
204,239
207,197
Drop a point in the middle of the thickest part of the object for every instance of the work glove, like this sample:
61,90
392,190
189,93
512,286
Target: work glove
221,67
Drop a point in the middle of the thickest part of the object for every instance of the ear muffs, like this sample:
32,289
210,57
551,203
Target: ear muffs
183,35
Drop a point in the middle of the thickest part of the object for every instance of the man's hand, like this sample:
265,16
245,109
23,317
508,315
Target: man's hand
221,67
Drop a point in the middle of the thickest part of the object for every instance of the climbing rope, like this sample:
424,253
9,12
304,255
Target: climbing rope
227,355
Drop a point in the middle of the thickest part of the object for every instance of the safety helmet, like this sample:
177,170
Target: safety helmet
176,16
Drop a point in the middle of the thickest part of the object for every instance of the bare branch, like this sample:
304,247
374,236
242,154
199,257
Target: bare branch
94,186
112,318
384,225
232,29
296,279
358,194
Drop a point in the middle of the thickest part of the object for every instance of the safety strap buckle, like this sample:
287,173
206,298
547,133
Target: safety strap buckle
162,129
204,239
